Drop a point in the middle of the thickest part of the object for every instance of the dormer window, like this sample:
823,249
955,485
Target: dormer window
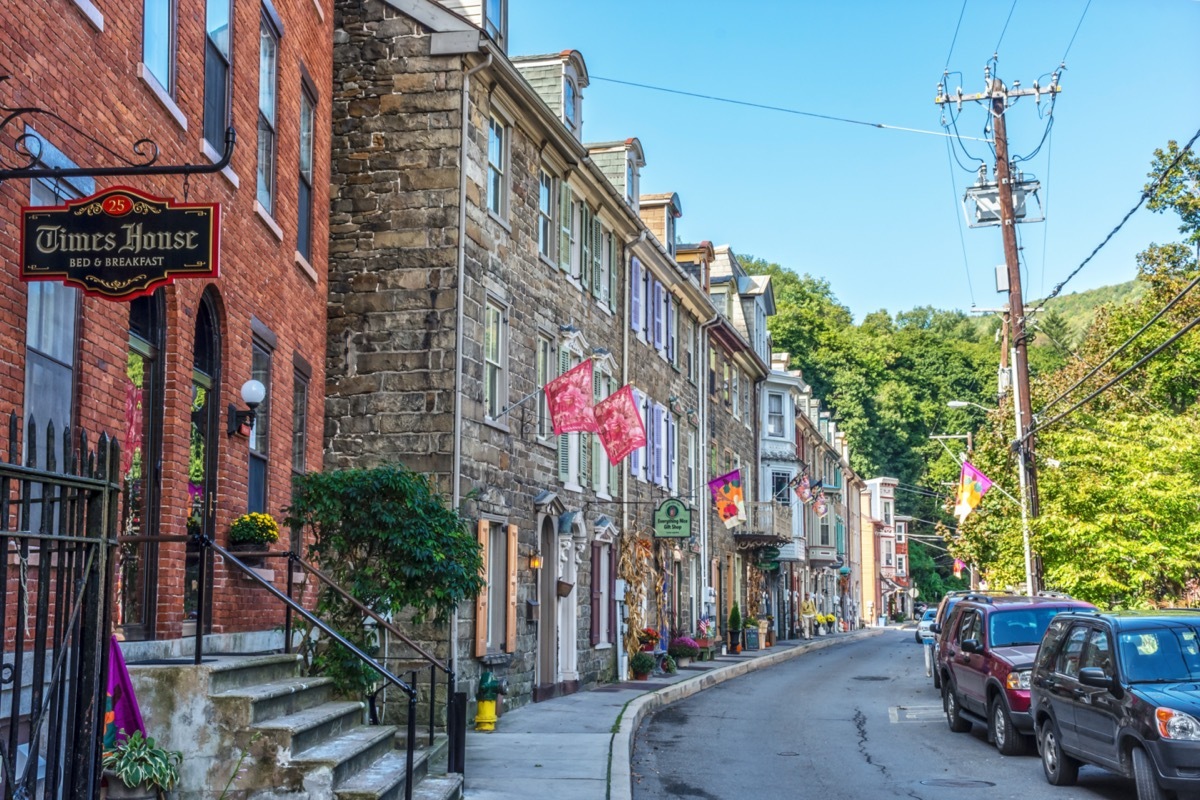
494,19
670,232
570,104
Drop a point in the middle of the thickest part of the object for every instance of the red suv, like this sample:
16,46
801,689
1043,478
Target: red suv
985,658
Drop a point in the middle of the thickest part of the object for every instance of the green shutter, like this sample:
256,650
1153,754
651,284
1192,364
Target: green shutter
612,272
585,245
598,281
564,227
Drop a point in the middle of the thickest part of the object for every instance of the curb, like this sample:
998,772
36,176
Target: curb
620,749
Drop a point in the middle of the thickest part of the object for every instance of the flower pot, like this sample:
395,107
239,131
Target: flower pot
564,588
682,661
119,791
238,551
641,676
648,647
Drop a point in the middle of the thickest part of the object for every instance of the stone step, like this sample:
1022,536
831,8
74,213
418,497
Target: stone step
445,787
384,780
309,728
247,705
349,753
234,673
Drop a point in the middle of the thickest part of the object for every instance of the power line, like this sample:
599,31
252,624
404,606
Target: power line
955,38
1076,33
1147,193
1011,9
1053,420
1125,344
1068,351
962,240
764,106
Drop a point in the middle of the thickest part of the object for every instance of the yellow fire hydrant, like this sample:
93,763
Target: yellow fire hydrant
490,688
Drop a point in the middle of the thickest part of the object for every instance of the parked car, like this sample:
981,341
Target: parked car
923,627
1121,691
985,660
944,607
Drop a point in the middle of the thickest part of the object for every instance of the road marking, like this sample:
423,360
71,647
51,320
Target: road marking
898,714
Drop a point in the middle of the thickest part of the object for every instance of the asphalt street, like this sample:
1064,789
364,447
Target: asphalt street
857,720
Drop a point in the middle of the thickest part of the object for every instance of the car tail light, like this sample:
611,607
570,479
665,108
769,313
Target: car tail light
1174,724
1018,679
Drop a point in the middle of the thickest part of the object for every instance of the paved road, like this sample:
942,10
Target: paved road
853,721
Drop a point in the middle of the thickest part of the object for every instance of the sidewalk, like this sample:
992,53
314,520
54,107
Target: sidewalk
561,748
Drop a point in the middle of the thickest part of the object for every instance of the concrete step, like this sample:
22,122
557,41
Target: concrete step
349,753
384,780
437,754
447,787
235,673
247,705
302,730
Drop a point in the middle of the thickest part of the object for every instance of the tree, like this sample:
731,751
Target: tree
1178,191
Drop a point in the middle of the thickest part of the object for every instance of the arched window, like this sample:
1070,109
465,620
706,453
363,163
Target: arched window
202,453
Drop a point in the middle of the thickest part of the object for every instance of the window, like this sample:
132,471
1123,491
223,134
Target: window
747,394
672,309
497,179
779,486
826,541
670,232
611,249
737,391
304,211
217,51
900,565
638,457
570,105
689,345
659,317
630,183
712,372
691,462
545,230
887,512
1069,657
600,244
545,349
775,414
496,605
260,370
901,527
268,85
494,22
300,381
889,548
158,42
495,373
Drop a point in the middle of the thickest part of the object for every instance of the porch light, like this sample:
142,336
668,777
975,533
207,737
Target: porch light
241,422
535,560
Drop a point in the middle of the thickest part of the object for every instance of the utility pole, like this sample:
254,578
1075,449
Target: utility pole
997,96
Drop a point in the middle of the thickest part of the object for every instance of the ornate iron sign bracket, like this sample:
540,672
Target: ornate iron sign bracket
28,147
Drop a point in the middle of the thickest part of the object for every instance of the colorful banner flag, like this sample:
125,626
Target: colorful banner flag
972,485
121,712
820,505
569,397
958,568
728,497
804,489
619,424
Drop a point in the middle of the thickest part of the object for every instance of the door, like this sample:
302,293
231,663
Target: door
1097,711
1063,686
967,668
547,629
202,460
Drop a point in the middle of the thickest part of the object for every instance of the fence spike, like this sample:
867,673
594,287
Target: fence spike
13,427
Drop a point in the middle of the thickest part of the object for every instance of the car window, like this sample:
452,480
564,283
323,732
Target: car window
929,614
1023,626
969,627
1162,655
1068,658
1097,652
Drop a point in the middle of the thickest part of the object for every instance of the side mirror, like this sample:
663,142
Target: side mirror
935,628
971,646
1095,677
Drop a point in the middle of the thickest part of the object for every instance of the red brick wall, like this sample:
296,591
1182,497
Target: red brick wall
59,62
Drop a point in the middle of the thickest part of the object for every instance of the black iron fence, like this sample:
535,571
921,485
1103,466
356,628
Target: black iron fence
58,523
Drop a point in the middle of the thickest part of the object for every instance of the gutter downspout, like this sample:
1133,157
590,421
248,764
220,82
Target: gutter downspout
702,349
459,319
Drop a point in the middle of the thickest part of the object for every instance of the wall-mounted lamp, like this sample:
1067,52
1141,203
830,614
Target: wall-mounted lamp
677,554
241,422
535,560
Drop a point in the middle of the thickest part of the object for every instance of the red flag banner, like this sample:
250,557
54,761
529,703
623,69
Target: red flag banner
619,424
804,489
728,497
569,397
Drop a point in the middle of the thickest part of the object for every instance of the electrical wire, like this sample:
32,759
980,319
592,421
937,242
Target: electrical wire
1011,9
954,39
1147,193
764,106
1069,352
1046,213
962,240
1076,33
1039,427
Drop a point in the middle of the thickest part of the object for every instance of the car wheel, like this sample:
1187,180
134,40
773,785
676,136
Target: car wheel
1060,768
918,636
954,717
1009,741
1145,777
937,675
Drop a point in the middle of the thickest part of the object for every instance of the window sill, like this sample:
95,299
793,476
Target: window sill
604,307
572,487
215,157
603,496
546,260
164,99
305,267
501,221
91,14
497,424
265,216
604,646
320,11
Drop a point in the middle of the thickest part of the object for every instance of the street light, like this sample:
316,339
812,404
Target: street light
965,403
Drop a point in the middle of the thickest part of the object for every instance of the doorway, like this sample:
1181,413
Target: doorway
202,457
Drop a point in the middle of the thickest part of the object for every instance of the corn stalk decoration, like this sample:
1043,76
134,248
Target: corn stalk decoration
634,567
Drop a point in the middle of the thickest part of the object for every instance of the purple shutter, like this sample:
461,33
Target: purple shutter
635,296
670,330
656,317
672,478
636,456
594,633
647,305
659,436
611,634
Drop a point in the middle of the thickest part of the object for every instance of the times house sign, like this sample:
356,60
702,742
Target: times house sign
120,243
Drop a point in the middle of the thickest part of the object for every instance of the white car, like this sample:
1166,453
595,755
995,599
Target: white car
923,627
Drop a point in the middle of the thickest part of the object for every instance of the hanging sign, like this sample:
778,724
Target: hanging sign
672,520
120,243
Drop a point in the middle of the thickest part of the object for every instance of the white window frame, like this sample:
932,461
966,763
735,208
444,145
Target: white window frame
547,231
545,369
776,431
496,29
497,363
900,566
266,174
171,35
498,161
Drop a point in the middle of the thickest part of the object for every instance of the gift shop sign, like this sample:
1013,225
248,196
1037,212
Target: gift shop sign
120,243
672,520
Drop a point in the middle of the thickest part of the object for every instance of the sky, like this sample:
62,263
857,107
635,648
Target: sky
877,212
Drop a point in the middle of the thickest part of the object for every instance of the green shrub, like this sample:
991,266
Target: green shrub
735,618
641,664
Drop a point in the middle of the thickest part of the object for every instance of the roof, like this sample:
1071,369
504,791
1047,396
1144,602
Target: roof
1133,619
573,57
663,199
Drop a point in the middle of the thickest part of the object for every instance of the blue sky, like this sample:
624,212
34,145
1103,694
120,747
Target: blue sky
874,211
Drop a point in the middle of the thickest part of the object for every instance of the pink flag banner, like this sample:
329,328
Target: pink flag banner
820,505
569,397
728,496
804,489
958,568
620,424
972,485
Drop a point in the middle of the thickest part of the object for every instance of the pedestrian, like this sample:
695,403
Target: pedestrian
808,612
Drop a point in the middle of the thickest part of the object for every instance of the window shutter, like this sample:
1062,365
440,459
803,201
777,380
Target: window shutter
656,315
672,476
594,632
564,442
597,455
481,599
614,477
564,227
611,634
635,295
585,459
658,473
599,284
585,245
612,271
672,321
510,622
635,457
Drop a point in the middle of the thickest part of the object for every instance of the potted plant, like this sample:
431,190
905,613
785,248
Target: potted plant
253,532
704,629
641,665
648,638
751,628
669,666
683,649
735,629
138,768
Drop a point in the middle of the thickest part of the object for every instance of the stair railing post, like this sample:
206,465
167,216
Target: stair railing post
287,609
201,594
432,698
458,740
411,743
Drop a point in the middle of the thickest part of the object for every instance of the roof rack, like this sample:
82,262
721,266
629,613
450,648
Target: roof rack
979,598
1055,595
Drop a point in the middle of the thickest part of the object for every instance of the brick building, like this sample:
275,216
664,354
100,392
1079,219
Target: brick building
160,372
